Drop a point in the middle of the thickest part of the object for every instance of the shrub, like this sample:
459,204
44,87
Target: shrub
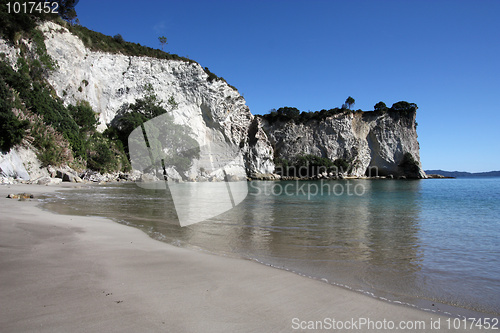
341,165
101,155
53,148
41,50
84,116
282,166
12,24
12,130
403,106
131,116
288,112
303,166
118,38
212,77
380,106
310,166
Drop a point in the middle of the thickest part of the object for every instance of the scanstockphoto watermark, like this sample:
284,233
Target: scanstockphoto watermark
309,189
365,324
386,325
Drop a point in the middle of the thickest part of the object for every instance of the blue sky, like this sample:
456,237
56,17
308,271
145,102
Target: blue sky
442,55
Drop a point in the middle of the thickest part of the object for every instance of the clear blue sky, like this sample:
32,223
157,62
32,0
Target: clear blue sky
312,54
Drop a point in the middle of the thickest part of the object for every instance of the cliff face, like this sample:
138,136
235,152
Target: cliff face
373,142
217,113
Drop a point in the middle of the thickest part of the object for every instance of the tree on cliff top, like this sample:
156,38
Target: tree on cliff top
289,112
404,106
67,10
163,41
349,102
380,106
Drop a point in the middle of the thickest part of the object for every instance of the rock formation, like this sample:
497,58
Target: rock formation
217,113
373,142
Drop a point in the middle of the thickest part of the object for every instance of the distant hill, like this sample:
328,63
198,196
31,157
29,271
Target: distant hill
463,174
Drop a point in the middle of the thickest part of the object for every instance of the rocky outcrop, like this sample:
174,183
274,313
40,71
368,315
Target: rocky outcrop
373,142
12,166
259,151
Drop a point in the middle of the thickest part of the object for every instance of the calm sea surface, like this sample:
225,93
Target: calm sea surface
429,243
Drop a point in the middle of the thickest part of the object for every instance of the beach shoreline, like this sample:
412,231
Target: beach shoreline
78,273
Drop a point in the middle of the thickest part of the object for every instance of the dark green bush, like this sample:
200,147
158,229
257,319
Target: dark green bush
53,148
134,115
49,153
39,100
286,114
403,106
212,77
102,154
41,50
84,116
12,130
282,166
380,107
341,165
310,166
118,38
12,24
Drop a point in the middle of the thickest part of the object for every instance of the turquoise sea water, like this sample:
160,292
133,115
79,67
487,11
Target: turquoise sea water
430,243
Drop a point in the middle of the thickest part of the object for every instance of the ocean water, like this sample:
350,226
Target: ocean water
432,244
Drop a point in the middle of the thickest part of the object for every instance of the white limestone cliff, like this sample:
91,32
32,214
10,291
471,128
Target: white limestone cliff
217,113
374,142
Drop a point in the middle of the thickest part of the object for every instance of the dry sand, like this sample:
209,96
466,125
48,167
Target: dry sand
61,273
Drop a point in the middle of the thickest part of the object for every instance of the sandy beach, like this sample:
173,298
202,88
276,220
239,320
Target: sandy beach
61,273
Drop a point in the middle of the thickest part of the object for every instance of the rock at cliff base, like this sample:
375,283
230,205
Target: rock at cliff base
21,196
49,181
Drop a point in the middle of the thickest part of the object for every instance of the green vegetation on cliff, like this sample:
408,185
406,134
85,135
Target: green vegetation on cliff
131,116
310,166
285,114
61,134
30,111
97,41
12,129
168,141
